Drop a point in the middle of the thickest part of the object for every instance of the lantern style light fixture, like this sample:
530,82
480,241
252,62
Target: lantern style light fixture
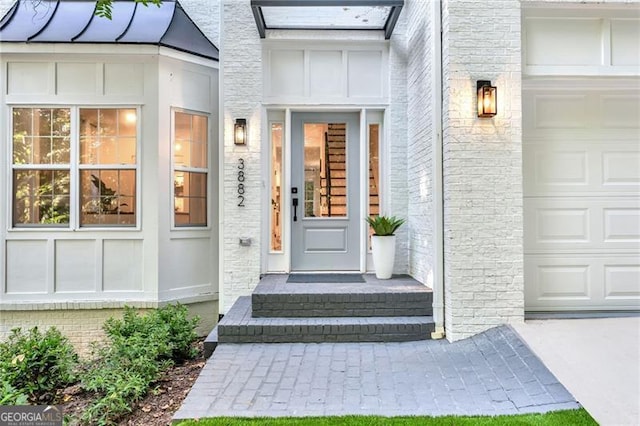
240,131
487,99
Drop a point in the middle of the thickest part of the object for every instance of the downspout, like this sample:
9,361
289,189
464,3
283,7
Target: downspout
438,194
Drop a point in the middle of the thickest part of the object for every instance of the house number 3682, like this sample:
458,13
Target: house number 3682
241,182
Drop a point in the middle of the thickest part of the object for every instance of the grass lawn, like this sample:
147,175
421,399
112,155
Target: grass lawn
561,418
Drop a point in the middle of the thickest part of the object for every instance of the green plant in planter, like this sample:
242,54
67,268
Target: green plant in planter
384,225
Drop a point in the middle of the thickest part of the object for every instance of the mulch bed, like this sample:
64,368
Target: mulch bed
158,407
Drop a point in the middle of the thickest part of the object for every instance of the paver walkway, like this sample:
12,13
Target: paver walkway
491,373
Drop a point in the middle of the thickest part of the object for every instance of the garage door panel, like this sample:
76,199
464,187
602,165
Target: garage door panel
582,282
620,111
621,225
581,168
621,282
621,168
589,224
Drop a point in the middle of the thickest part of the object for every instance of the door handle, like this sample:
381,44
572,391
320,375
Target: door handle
295,209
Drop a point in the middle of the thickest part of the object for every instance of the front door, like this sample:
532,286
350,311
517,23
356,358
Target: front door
324,190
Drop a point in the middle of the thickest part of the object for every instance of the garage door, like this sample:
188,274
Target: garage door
581,154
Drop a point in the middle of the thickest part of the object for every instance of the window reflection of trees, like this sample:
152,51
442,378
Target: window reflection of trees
41,157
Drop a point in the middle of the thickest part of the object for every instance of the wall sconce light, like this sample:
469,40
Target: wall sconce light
487,99
240,131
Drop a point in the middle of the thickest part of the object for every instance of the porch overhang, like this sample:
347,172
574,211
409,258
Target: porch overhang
379,15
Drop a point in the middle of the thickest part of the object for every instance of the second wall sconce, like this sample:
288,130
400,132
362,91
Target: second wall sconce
240,131
487,99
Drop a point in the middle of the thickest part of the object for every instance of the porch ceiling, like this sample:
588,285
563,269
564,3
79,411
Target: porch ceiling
326,15
58,21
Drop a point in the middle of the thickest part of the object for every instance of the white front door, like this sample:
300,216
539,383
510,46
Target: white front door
325,180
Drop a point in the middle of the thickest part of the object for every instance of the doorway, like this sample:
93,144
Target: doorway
325,184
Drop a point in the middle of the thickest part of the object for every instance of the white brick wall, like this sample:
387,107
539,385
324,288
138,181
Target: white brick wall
419,141
242,96
206,15
482,167
397,143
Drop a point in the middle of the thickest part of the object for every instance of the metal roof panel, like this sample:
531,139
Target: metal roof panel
101,30
149,23
68,20
58,21
28,20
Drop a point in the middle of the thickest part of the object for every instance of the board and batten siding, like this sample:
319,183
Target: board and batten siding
309,73
146,264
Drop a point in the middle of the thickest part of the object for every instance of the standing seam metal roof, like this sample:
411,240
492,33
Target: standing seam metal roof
58,21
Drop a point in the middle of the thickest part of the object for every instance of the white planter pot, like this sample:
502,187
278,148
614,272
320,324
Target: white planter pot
384,252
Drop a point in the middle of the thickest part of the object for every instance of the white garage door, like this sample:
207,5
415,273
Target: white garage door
581,153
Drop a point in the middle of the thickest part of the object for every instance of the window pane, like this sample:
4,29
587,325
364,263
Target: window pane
374,173
325,174
182,139
39,140
42,122
127,119
190,140
108,136
108,122
190,202
127,151
374,169
22,121
199,142
22,149
108,197
40,197
276,190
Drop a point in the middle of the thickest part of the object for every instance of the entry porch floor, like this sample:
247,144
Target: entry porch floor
361,348
489,374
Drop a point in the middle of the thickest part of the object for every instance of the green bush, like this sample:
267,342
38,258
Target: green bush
10,395
139,349
37,364
170,319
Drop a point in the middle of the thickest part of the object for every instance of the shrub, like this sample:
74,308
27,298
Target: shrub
10,395
139,348
37,364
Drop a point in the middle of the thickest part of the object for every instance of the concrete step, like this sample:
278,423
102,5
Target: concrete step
400,296
238,326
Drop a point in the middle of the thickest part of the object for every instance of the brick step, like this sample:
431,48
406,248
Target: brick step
401,296
238,326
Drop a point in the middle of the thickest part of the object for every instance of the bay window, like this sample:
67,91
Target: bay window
74,167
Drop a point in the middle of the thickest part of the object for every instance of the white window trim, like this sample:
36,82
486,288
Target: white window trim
74,168
175,168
